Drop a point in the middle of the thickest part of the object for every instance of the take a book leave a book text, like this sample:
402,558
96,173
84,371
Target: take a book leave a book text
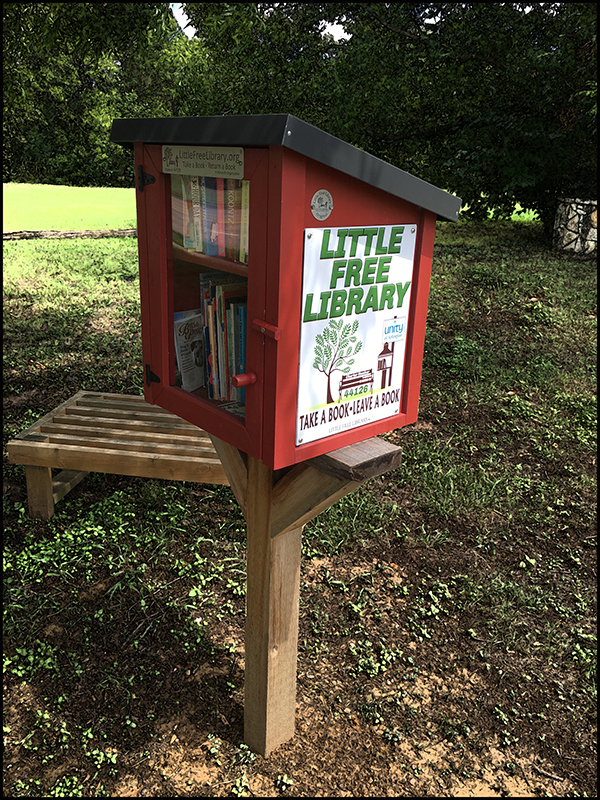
211,215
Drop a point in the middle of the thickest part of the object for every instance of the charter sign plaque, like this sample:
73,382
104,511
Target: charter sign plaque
356,291
217,162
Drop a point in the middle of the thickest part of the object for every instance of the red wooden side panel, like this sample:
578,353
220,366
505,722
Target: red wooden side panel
418,312
283,298
355,204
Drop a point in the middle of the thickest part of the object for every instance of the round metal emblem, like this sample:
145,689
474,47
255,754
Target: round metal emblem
321,204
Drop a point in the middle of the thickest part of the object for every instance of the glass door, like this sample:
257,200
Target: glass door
210,253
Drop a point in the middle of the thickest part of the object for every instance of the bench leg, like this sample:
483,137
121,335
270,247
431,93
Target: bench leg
39,492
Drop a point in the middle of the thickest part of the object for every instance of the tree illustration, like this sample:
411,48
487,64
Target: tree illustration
334,348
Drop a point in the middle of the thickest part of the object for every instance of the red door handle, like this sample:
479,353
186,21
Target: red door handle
245,379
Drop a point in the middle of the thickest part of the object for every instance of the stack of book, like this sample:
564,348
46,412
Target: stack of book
210,342
210,215
224,306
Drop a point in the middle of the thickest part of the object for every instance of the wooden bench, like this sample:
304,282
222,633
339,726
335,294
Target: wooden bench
113,433
124,435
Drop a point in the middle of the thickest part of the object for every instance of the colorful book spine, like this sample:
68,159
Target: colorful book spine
205,299
209,212
221,217
244,221
177,210
229,293
230,227
209,383
197,211
233,393
214,356
242,318
189,239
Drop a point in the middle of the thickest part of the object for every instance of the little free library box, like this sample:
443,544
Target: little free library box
284,278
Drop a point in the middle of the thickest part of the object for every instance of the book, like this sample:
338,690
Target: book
241,332
244,221
226,295
221,217
189,239
223,289
234,344
208,367
209,216
189,349
206,297
207,280
197,213
182,213
213,354
177,210
233,218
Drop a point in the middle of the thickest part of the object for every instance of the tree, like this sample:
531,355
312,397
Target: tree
334,348
492,101
69,69
267,58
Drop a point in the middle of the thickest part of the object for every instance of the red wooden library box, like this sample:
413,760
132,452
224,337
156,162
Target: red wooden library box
284,279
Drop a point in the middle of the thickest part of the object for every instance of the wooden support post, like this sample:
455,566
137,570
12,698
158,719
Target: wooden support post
273,588
276,507
39,492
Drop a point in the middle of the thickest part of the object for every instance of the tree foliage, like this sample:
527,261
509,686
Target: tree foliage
492,101
69,69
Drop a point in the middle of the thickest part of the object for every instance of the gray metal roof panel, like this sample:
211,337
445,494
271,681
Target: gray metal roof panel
263,130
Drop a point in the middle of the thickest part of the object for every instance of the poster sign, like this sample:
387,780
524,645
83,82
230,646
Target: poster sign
356,290
216,162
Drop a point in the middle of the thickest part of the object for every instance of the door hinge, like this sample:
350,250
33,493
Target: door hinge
144,178
150,376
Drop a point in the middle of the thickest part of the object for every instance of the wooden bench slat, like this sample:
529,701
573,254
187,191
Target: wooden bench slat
132,434
133,425
119,462
92,442
116,413
108,397
119,403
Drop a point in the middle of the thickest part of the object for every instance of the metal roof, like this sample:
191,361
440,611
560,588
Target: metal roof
262,130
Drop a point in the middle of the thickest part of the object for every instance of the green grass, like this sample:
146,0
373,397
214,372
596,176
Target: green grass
476,557
29,207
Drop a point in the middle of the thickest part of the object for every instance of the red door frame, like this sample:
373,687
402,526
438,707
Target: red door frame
156,293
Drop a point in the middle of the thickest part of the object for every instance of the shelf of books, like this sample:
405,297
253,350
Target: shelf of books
210,286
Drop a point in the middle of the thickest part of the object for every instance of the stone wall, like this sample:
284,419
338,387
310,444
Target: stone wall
576,226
